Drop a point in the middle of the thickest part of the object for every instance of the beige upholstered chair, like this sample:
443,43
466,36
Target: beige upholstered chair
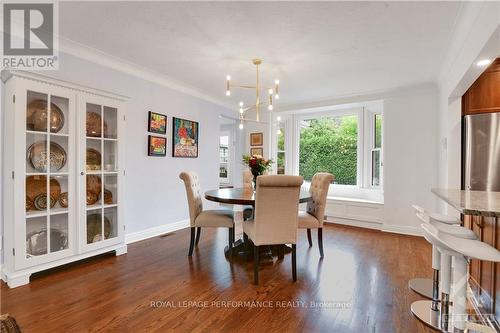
204,218
275,221
314,216
247,184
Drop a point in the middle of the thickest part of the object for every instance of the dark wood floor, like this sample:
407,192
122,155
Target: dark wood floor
365,272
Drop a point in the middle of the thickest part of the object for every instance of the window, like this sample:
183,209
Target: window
280,152
376,161
330,144
224,158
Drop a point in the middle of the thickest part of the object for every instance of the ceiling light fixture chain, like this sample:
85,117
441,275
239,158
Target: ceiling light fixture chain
273,93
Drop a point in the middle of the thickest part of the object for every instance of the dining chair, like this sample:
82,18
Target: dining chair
275,218
314,215
248,186
198,217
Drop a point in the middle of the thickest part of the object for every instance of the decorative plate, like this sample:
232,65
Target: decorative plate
29,204
36,185
94,184
36,242
63,200
40,202
94,228
108,197
94,125
36,117
93,159
91,198
37,156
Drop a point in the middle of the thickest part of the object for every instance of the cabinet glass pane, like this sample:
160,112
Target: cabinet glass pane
110,222
93,123
93,155
93,190
36,195
59,115
36,153
36,111
58,153
94,226
36,236
59,193
110,156
110,119
110,189
58,232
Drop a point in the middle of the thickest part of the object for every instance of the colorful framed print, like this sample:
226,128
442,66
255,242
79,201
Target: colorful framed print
157,123
256,139
157,145
256,151
184,138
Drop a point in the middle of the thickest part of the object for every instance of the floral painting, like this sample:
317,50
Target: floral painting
184,138
157,145
157,123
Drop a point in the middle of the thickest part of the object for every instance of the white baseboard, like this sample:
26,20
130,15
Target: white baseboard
402,229
354,223
155,231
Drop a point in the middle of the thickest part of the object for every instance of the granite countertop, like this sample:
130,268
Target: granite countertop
482,203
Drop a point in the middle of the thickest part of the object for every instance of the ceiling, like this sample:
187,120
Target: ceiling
319,50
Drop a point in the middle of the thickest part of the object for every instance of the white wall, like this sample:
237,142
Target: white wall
154,194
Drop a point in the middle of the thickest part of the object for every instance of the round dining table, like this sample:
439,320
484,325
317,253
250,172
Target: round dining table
245,197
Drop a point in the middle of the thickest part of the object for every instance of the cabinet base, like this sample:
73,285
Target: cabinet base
121,250
17,280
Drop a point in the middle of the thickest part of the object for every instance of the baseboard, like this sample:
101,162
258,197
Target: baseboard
354,223
155,231
402,229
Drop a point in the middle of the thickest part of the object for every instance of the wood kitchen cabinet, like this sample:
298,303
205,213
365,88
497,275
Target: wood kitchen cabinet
483,96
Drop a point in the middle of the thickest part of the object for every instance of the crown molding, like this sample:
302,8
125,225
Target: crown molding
101,58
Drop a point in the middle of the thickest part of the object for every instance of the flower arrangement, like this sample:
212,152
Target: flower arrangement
258,166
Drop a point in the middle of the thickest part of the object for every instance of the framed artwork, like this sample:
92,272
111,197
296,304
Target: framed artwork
157,145
184,138
256,139
157,123
256,151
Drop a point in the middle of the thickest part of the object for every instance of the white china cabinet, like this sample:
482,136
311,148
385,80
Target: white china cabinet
62,174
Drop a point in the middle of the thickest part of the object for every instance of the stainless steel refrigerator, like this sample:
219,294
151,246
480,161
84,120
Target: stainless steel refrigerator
481,154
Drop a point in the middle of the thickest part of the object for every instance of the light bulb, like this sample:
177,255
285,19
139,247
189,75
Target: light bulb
228,77
278,131
270,91
241,110
228,92
277,96
270,107
241,104
241,126
483,62
276,81
278,118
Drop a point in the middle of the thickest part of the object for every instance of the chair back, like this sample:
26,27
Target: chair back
276,209
192,184
247,179
319,189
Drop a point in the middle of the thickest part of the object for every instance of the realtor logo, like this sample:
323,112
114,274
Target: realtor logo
29,31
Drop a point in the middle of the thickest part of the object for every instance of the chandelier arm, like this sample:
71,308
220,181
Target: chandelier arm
242,86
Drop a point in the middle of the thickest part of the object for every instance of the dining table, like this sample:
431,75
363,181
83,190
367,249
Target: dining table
246,197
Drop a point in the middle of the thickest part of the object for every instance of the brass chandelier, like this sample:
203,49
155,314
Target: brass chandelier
272,93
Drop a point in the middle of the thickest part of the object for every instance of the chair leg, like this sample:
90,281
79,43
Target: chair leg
294,262
320,242
256,257
231,241
198,236
191,243
309,239
281,252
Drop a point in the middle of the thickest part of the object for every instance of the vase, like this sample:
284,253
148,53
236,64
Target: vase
254,183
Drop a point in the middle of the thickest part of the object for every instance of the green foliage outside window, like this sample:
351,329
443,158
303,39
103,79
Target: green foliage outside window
330,145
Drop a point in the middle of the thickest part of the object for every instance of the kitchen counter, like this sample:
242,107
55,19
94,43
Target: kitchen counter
481,203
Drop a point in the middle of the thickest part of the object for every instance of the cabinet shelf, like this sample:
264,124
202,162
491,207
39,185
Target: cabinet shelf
35,213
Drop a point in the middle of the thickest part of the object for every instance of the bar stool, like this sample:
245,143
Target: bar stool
462,250
429,288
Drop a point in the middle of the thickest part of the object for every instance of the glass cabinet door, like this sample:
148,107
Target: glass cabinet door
48,194
101,173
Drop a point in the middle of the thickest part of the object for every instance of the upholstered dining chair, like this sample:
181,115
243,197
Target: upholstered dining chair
275,218
314,215
248,186
198,217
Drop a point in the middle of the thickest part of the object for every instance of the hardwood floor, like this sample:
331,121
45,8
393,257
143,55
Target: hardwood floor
362,278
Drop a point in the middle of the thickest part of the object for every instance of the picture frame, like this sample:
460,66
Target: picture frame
257,151
157,123
256,139
185,138
157,145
